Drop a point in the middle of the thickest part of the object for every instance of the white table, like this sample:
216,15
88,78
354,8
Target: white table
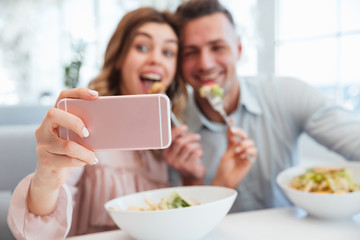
281,223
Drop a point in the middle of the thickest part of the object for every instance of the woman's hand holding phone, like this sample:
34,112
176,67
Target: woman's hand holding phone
83,122
56,156
126,122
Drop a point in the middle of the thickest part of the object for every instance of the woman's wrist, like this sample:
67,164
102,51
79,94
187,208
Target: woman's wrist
41,198
44,184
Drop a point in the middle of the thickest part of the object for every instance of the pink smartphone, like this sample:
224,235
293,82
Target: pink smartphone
128,122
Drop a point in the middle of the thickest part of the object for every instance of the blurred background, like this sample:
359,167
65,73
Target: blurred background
49,45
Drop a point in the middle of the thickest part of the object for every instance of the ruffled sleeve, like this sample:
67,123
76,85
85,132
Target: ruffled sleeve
25,225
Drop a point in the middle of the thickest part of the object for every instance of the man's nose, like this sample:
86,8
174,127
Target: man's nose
206,60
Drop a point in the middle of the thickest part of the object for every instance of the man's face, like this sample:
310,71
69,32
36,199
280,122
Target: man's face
210,52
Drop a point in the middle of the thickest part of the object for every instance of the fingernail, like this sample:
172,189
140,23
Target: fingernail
96,161
85,132
233,129
238,149
93,92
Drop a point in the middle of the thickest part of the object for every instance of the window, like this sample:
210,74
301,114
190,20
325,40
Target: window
244,13
318,42
41,39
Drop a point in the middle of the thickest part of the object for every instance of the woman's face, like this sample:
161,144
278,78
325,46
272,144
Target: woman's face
151,58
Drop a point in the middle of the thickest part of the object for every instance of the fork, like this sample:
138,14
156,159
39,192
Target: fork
176,123
174,119
218,105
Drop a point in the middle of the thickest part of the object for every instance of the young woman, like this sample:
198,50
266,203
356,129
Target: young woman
66,194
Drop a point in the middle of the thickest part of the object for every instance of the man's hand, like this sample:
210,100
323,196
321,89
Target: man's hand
234,164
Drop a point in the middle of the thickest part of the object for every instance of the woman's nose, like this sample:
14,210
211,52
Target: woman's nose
155,57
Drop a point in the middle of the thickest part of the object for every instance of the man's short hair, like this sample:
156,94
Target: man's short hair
193,9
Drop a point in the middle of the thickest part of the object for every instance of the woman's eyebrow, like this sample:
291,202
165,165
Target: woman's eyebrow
170,40
143,34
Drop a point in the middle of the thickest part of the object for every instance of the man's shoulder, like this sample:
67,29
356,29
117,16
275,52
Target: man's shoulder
256,79
270,82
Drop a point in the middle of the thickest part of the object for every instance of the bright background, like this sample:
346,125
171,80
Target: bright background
314,40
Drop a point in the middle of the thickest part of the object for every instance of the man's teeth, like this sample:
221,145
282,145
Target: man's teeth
151,76
209,77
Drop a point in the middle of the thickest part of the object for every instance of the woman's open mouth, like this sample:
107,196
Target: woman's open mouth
149,79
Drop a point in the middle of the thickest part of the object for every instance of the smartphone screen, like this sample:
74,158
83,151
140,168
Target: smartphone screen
128,122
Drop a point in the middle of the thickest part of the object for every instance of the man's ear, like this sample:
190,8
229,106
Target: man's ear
239,47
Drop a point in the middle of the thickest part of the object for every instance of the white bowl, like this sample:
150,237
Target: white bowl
182,223
324,205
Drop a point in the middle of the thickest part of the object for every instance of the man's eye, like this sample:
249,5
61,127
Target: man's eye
168,53
142,48
217,48
189,53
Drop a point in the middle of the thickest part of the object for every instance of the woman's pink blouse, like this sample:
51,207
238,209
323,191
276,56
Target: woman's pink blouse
80,207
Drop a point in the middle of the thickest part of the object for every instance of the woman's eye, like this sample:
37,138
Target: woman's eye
142,48
169,53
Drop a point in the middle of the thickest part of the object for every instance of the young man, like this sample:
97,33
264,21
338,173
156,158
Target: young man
272,112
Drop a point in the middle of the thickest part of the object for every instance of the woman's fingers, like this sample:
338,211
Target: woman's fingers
182,145
57,117
187,153
61,118
184,152
179,131
55,161
49,141
71,149
176,132
81,93
193,166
